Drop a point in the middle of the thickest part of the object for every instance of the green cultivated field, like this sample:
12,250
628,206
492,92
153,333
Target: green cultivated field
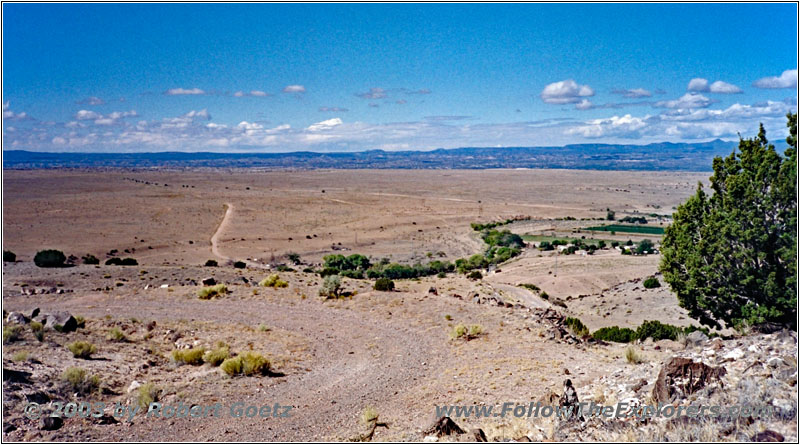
624,228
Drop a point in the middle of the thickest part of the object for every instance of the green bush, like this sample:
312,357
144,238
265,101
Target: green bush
38,330
49,258
355,274
79,381
246,364
210,292
651,283
657,331
216,356
293,257
273,281
211,263
615,334
466,332
147,394
576,326
82,349
192,356
384,284
331,286
121,262
475,275
11,333
116,334
90,259
9,256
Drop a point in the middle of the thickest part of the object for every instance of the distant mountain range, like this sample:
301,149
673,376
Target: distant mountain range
658,156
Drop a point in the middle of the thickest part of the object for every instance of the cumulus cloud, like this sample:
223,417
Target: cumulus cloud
636,93
373,93
325,125
688,100
99,119
565,92
86,115
621,126
185,92
296,89
8,114
585,104
786,80
719,87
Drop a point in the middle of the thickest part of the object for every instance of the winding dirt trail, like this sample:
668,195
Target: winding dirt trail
222,225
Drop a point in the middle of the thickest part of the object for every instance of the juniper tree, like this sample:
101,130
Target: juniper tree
731,256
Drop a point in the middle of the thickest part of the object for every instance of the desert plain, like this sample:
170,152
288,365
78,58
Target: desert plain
388,353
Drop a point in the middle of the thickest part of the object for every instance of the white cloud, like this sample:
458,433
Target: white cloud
252,93
688,100
86,115
721,87
91,100
325,125
636,93
202,114
585,104
698,84
294,89
622,126
786,80
373,93
565,92
9,114
184,91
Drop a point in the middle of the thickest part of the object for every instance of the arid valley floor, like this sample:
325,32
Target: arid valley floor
332,359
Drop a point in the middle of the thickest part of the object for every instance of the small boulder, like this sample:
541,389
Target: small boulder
210,281
696,338
443,427
51,423
17,318
433,291
61,321
680,377
478,435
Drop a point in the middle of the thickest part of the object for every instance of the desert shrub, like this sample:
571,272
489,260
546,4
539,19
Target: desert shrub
475,275
466,332
632,356
645,246
651,283
82,349
80,321
246,364
9,256
309,270
441,275
356,274
38,330
216,356
384,284
116,334
331,287
147,394
657,331
90,259
615,334
49,258
20,356
545,246
192,356
576,326
284,268
273,281
121,262
210,292
79,381
211,263
11,333
293,257
239,265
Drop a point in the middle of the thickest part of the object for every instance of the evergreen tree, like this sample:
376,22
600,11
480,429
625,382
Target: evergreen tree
731,257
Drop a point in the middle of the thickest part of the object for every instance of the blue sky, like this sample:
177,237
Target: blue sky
284,77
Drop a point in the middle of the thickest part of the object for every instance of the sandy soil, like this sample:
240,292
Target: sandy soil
389,350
